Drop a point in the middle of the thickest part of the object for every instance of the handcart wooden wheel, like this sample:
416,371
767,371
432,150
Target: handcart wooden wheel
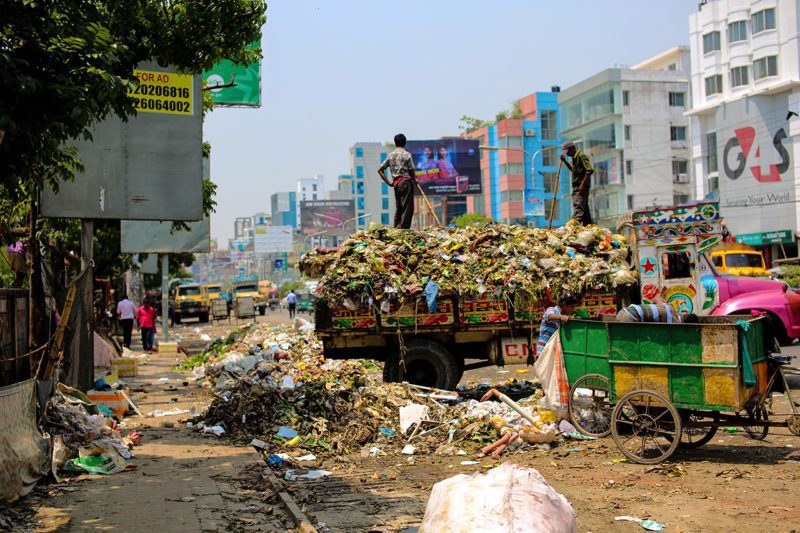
590,405
697,433
646,427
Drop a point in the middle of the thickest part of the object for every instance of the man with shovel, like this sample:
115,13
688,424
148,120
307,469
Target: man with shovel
582,171
404,179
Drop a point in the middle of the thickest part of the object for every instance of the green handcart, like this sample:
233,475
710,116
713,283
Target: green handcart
656,386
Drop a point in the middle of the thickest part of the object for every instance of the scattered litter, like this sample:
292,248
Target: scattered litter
648,524
731,430
466,463
274,460
171,412
412,414
286,433
387,432
408,450
292,475
217,431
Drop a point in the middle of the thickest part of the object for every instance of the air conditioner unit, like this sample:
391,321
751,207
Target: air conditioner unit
680,178
529,132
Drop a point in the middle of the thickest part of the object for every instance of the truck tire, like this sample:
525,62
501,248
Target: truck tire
426,363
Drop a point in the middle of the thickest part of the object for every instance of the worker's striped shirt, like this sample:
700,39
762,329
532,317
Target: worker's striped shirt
652,313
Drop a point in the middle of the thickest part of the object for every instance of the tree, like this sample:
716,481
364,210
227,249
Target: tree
66,64
471,220
470,124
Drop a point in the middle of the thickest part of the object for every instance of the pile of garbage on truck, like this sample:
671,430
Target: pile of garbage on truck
273,384
386,264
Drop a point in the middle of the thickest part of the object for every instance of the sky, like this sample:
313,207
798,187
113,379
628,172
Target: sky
336,72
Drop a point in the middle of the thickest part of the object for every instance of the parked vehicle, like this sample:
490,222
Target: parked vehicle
671,253
739,260
190,301
249,288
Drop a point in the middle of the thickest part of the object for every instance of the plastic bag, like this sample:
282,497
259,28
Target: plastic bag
507,498
549,368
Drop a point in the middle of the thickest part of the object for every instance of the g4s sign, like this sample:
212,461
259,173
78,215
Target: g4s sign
742,144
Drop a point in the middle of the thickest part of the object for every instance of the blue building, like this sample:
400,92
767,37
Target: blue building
519,165
284,209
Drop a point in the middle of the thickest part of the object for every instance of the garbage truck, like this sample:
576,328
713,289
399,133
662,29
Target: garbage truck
668,247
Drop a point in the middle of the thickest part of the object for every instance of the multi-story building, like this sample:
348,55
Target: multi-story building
519,164
373,199
283,209
631,124
242,228
745,58
310,189
344,190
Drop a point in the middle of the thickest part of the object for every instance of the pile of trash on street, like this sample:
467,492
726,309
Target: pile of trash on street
386,264
86,437
273,387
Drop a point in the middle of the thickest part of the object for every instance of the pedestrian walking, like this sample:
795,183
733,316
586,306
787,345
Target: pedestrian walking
144,317
582,171
126,311
404,179
291,302
553,318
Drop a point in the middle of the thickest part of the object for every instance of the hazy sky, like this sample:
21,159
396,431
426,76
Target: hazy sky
340,71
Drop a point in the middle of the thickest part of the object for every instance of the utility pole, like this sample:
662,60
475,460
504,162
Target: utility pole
165,296
86,335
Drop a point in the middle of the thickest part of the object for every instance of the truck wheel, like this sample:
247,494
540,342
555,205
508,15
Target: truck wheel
425,363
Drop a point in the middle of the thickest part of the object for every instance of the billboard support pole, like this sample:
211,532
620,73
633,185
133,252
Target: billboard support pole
165,296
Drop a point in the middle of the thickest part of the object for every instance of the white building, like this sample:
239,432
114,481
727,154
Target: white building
631,124
374,200
745,79
310,189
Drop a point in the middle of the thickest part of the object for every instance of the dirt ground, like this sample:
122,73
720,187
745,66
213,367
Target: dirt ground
185,481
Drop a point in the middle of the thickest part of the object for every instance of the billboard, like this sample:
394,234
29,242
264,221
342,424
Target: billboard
272,239
320,216
153,237
147,168
245,79
756,167
447,166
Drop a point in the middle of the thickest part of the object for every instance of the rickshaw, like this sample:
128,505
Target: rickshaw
654,387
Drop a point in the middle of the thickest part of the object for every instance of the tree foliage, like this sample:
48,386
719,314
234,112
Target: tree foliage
471,220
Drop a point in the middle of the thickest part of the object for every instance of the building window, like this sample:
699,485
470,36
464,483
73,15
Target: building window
360,172
626,98
627,133
359,152
550,156
765,67
384,155
384,188
764,20
739,76
385,219
713,84
737,31
360,202
713,184
512,168
677,133
384,203
511,141
548,205
676,265
711,152
314,187
630,202
677,99
360,187
680,166
512,196
678,199
711,42
549,125
549,182
628,167
672,66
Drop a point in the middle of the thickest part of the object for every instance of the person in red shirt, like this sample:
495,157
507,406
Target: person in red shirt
144,317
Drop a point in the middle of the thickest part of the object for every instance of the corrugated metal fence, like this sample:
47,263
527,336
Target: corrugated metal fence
15,357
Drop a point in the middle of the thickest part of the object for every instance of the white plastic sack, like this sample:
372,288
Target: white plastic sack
549,368
509,498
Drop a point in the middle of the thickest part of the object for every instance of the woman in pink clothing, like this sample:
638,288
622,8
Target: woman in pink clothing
144,317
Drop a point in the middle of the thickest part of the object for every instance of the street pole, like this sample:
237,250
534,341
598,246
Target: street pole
87,341
165,297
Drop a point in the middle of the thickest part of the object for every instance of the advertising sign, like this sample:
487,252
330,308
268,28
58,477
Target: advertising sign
149,167
318,216
534,206
785,236
153,237
447,167
272,239
756,171
246,80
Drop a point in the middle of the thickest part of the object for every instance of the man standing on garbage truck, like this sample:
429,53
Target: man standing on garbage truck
553,318
404,178
582,171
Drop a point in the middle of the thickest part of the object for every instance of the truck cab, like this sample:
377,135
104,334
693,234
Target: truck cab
250,288
190,301
672,252
739,262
